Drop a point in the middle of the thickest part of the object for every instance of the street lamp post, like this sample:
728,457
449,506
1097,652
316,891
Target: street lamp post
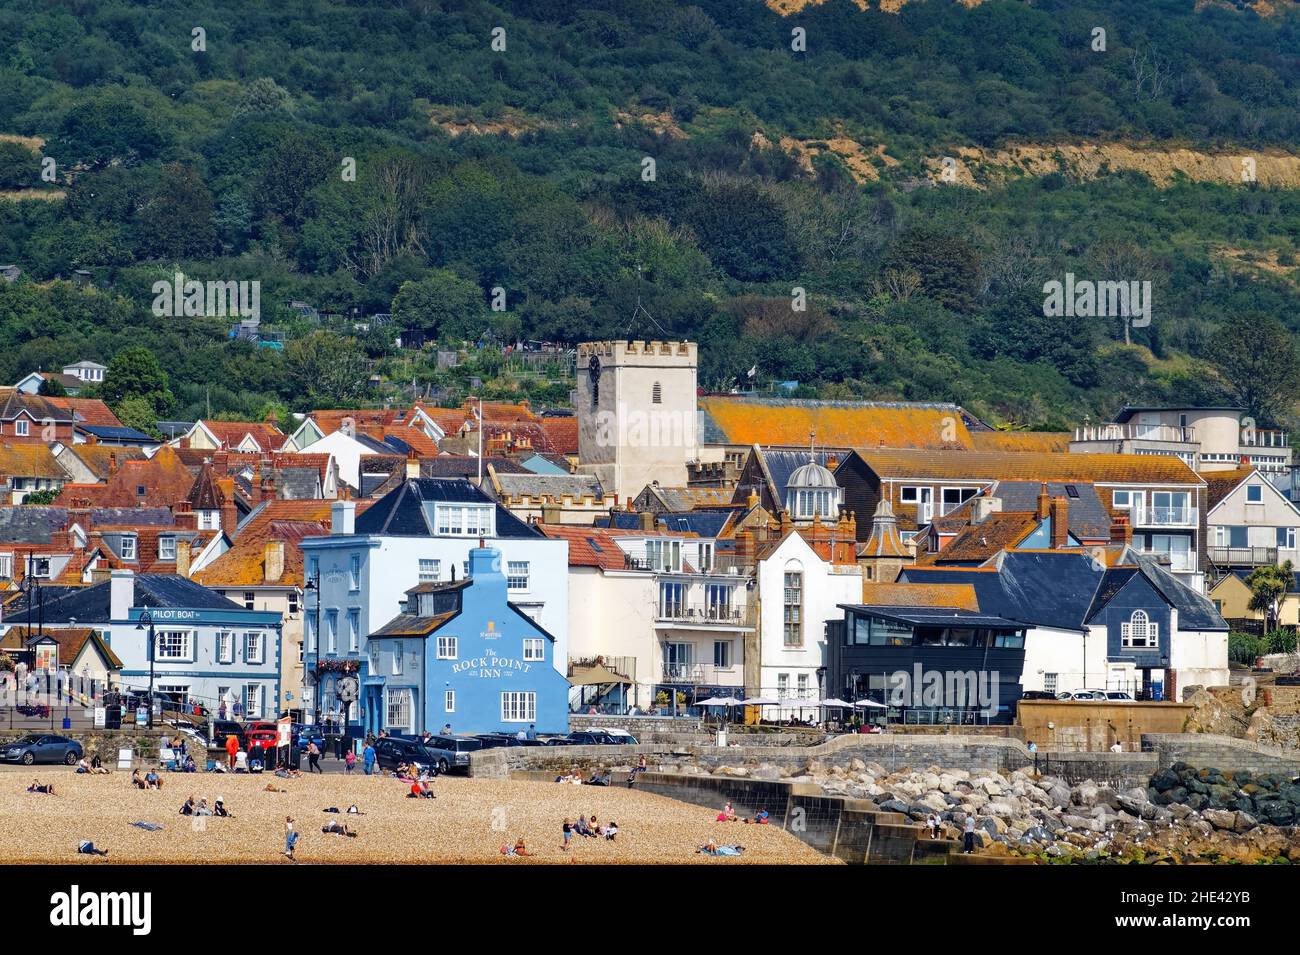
314,586
146,621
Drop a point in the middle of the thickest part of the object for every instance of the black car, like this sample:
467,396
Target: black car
493,740
41,748
1037,695
595,738
392,751
224,728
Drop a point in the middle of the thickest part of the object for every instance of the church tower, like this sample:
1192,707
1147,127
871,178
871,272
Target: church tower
637,416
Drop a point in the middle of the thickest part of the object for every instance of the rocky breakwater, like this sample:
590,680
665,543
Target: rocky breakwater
1185,814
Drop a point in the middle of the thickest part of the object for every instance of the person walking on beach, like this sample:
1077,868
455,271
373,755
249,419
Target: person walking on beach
313,757
349,762
568,835
232,747
369,758
290,837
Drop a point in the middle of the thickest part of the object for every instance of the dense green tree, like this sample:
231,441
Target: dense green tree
441,306
1257,360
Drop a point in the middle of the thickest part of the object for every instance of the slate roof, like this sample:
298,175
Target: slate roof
1066,589
705,523
553,485
744,419
932,617
777,464
93,604
465,466
23,524
1088,517
400,512
688,498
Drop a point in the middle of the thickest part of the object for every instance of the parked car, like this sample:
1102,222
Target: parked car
622,737
259,737
1120,695
452,752
303,735
224,728
1037,695
585,738
41,748
1086,695
392,751
495,740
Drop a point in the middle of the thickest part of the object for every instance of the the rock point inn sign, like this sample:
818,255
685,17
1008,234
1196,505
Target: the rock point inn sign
490,666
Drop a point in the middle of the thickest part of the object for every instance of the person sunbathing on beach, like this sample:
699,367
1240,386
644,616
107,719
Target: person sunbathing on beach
202,808
337,829
711,848
219,808
187,807
270,788
87,848
39,787
137,780
152,780
727,815
761,818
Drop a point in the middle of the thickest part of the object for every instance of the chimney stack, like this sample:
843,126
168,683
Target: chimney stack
1044,504
273,562
343,517
182,557
647,522
1121,532
229,512
112,462
982,506
412,465
1060,523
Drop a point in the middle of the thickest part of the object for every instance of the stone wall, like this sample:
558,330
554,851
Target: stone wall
665,729
1095,727
1221,752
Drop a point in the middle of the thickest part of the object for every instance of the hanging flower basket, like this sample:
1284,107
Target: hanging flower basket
337,666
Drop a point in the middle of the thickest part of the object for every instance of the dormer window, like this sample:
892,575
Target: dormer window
664,555
21,428
466,520
166,548
128,547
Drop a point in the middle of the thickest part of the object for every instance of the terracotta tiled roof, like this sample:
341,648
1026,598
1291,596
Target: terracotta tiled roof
1219,484
89,411
563,432
29,460
163,478
595,546
980,541
1052,441
956,596
99,458
70,640
769,421
244,565
1030,466
230,433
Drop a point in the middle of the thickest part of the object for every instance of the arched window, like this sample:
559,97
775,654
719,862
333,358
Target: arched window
657,394
1138,631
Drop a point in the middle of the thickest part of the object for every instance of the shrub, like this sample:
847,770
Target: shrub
1244,648
1281,640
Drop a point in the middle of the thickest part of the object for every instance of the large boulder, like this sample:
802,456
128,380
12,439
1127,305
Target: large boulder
1165,780
1220,818
1245,822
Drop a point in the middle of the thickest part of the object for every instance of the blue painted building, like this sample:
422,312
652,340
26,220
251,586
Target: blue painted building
462,653
207,649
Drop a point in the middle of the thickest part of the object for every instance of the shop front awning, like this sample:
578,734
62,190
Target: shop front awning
597,675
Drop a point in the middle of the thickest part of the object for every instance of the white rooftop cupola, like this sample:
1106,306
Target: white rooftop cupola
811,490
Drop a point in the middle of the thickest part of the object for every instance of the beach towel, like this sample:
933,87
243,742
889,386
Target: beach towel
147,826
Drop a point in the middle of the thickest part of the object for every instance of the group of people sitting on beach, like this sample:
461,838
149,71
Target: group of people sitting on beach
92,767
728,814
191,808
591,828
420,789
149,780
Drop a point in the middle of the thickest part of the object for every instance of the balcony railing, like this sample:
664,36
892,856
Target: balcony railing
1264,438
1149,515
704,614
1136,432
1178,563
1242,556
700,674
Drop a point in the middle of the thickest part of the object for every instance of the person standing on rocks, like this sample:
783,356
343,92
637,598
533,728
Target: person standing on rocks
968,835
